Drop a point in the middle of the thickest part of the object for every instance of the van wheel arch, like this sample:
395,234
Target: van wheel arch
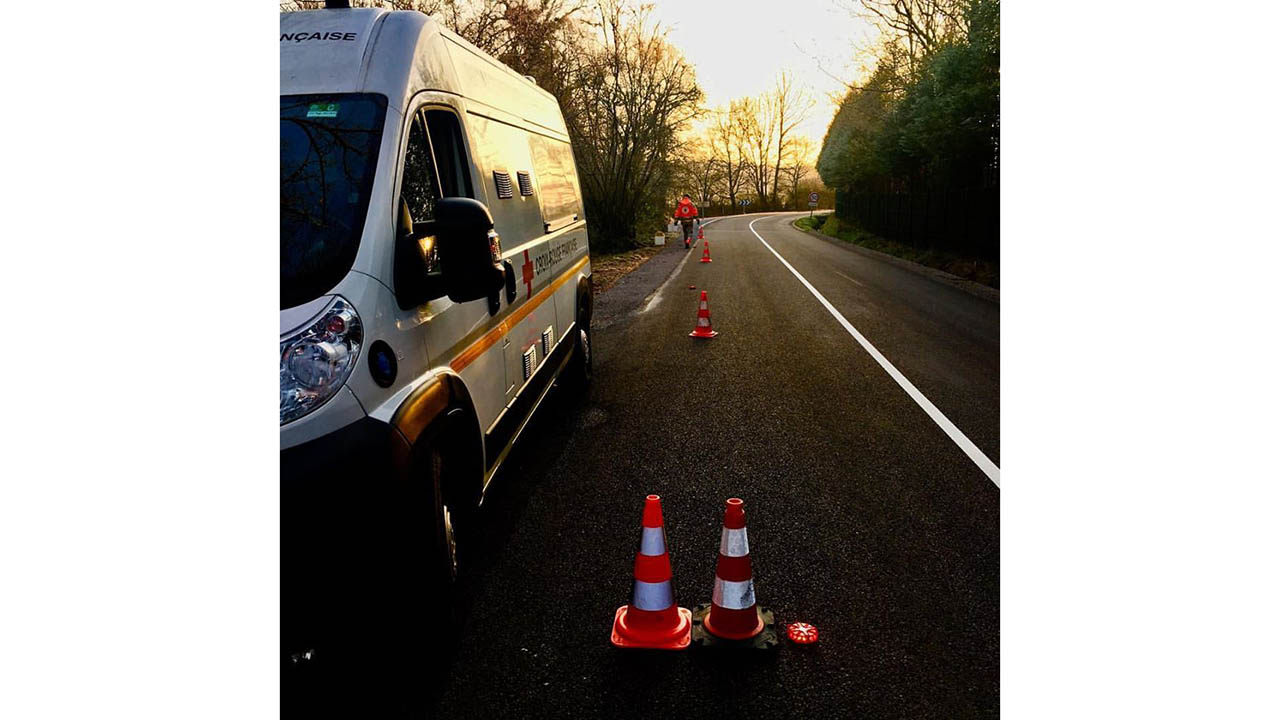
454,429
460,438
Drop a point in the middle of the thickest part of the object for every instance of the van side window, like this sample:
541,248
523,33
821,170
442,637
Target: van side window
420,186
557,181
435,166
450,154
417,275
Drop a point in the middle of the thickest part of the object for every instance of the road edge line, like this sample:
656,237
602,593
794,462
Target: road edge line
978,457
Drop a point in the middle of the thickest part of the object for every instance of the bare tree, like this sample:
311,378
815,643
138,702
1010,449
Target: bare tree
758,125
790,106
915,26
922,24
698,172
729,148
711,179
797,166
631,94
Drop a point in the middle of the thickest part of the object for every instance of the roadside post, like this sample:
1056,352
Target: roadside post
813,203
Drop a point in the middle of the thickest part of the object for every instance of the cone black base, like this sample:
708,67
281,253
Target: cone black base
766,639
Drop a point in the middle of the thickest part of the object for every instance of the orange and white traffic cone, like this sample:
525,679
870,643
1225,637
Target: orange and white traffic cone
732,619
706,251
700,235
652,619
703,328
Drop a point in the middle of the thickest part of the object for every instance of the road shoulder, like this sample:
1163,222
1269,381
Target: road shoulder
946,278
634,288
631,290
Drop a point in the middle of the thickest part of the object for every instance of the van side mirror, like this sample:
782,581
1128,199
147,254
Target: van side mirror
467,265
415,284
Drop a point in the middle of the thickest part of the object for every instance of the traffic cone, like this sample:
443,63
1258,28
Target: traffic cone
703,328
652,619
706,251
732,619
700,235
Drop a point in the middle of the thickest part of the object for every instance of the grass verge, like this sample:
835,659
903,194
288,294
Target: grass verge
607,270
975,269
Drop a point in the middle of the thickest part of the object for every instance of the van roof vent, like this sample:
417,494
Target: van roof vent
337,4
526,185
503,181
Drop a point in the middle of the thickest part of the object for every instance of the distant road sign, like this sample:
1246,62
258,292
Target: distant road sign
813,198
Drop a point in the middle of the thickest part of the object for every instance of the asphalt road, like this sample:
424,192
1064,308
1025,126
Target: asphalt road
865,518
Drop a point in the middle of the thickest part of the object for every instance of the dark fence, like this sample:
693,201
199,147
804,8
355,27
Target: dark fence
963,221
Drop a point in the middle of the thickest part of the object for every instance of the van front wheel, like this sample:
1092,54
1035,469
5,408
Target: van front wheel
445,552
428,522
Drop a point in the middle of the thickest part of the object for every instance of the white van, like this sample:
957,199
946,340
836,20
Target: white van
435,281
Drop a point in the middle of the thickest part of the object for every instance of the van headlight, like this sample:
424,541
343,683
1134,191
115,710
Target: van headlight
316,361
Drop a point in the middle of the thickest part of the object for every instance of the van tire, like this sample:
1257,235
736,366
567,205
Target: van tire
444,560
578,373
428,556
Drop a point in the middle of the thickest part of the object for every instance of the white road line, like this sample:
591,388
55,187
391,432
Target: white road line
846,277
977,456
656,297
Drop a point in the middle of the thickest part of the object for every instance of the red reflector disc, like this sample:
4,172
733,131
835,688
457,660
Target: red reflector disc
802,633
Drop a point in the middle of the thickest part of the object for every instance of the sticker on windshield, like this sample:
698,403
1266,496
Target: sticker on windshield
322,110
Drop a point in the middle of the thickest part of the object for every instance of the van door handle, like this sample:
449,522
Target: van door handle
511,280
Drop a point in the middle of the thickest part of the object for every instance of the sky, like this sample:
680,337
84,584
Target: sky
738,48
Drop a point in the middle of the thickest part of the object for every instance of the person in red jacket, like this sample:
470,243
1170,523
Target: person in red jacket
686,212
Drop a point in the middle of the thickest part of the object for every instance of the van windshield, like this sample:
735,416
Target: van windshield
328,154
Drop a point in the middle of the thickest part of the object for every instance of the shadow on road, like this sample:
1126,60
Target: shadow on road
358,673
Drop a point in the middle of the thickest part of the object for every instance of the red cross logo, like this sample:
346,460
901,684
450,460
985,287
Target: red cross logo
526,271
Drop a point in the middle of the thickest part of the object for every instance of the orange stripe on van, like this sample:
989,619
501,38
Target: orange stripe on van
477,348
